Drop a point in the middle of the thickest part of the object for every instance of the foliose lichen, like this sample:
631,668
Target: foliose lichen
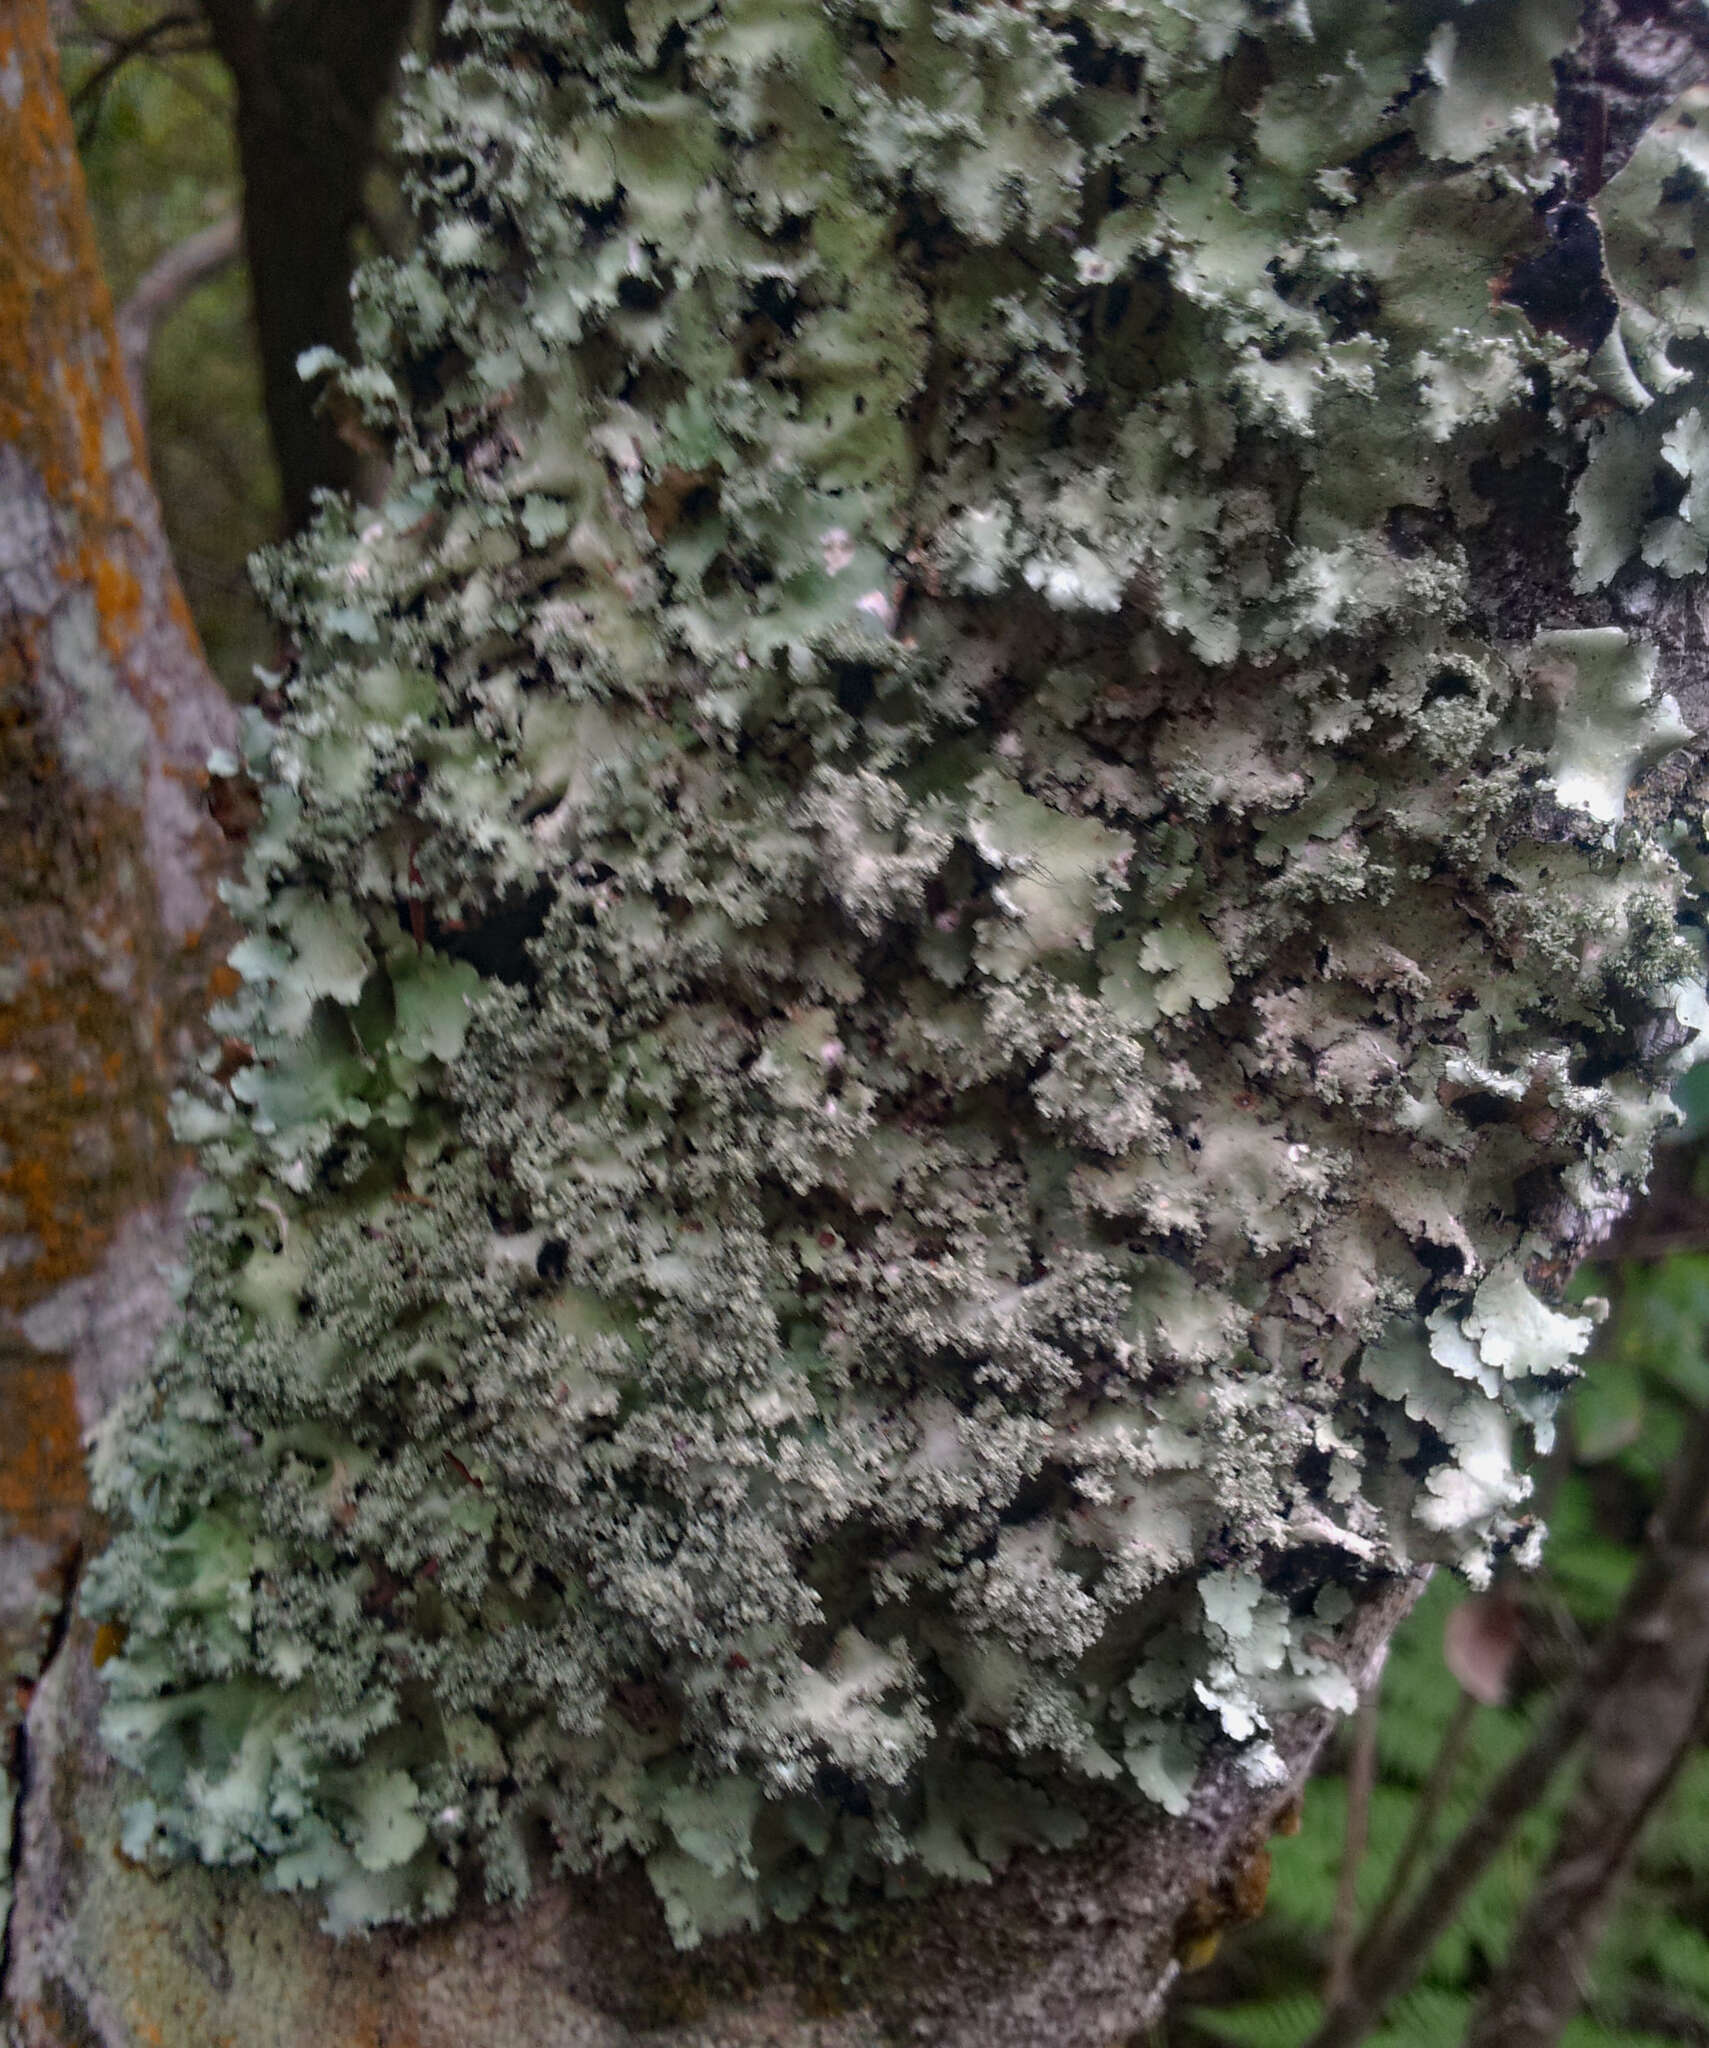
928,988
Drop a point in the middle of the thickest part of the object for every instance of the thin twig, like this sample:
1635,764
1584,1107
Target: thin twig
1438,1789
1421,1828
166,283
1361,1779
88,99
1643,1729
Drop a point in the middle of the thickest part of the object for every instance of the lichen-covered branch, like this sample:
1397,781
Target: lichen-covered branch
1063,1949
961,907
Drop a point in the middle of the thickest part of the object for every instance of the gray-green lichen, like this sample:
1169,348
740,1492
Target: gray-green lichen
926,987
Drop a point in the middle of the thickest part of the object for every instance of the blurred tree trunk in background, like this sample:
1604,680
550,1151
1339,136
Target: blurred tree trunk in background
109,924
311,78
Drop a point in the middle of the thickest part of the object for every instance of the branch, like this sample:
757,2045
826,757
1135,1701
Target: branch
1679,1546
90,96
1361,1780
165,284
1421,1832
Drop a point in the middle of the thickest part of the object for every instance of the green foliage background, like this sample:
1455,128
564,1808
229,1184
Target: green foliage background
1650,1984
160,165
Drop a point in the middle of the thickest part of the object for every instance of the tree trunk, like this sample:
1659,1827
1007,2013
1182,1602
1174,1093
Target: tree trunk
536,530
113,942
311,78
110,933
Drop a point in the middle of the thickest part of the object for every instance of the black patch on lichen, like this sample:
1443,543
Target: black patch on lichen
1564,289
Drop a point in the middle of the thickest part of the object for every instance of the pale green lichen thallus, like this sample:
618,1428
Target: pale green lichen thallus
925,985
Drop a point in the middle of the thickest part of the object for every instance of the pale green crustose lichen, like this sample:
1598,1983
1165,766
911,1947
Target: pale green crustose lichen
924,991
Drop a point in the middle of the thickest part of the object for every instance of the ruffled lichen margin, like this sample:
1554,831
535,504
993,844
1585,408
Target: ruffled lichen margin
930,996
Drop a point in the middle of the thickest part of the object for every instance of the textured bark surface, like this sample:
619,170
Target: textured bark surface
110,929
1064,1951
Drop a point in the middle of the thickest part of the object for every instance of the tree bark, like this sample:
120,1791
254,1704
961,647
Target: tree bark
1064,1950
1074,1949
111,924
311,76
110,929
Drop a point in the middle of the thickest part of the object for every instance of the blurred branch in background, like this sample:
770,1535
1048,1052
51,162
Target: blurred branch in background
1650,1663
1361,1782
1645,1721
164,285
302,89
176,34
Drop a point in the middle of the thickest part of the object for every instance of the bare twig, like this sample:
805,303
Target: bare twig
1361,1777
1679,1543
1421,1829
164,285
87,101
1438,1789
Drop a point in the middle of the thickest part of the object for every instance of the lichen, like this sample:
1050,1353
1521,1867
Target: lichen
927,991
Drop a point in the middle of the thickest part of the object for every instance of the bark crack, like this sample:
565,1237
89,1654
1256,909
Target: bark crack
54,1623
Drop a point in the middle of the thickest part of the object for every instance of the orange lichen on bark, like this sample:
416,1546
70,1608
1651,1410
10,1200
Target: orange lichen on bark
96,976
83,1070
42,1487
118,601
83,1079
93,985
61,372
224,981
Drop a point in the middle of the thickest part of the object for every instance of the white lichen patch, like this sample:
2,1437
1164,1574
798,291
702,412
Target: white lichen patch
925,1005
